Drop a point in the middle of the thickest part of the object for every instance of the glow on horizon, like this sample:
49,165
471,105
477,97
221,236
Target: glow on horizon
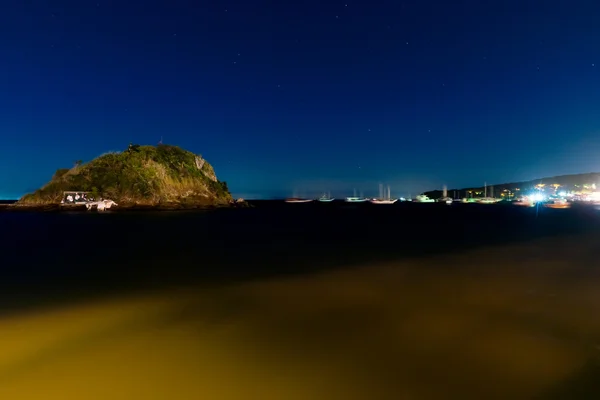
10,197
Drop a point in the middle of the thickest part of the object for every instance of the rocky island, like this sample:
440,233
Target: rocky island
141,177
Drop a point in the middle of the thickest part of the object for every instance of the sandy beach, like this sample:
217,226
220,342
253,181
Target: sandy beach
523,325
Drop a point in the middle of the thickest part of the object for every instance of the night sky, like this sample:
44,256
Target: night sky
305,96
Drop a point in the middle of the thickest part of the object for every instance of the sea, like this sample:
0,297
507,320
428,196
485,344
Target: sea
317,300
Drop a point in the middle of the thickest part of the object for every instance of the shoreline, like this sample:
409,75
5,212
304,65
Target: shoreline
16,207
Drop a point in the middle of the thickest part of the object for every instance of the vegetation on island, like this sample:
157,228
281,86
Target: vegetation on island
575,182
140,175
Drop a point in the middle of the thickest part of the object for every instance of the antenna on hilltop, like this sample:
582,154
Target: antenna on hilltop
160,142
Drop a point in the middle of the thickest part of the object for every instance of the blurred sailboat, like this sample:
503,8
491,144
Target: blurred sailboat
445,198
326,198
296,199
383,199
356,199
423,198
486,199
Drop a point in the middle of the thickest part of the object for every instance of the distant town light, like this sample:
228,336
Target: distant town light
537,197
594,196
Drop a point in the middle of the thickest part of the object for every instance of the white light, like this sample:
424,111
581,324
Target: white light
595,196
537,197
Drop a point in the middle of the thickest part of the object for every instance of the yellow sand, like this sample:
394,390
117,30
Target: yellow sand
510,322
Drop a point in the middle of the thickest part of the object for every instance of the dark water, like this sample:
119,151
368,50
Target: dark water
91,252
353,301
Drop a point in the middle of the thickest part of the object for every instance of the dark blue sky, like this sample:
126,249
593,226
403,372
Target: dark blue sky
303,96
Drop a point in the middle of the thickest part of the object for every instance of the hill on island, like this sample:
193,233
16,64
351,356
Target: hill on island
141,175
575,182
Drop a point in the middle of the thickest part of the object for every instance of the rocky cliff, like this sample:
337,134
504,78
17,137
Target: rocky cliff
160,175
